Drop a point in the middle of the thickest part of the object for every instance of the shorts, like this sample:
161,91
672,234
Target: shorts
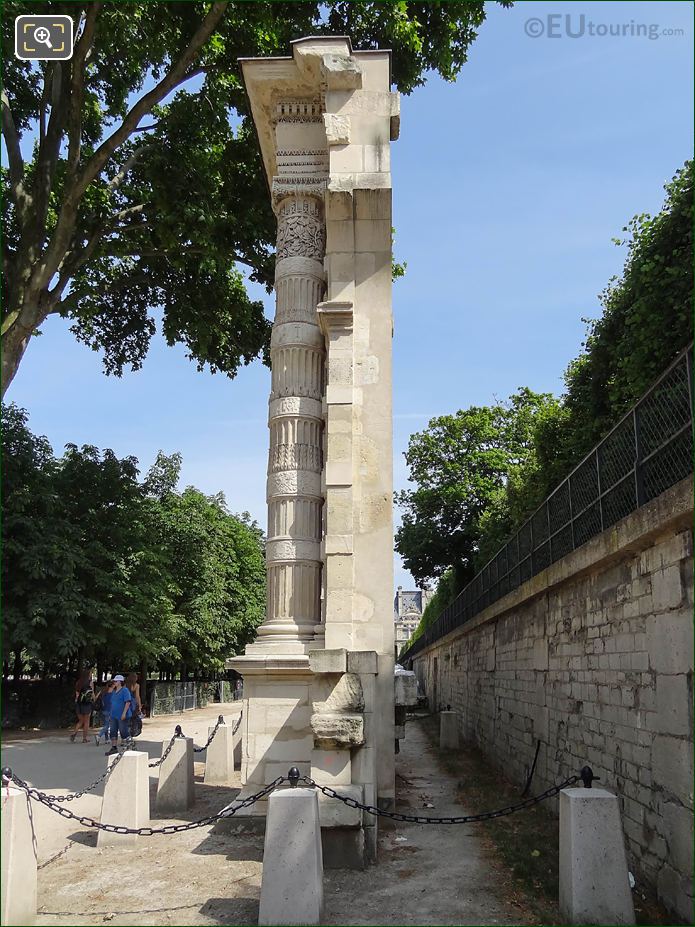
84,708
120,727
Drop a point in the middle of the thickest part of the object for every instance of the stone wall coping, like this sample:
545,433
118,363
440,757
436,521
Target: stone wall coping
637,531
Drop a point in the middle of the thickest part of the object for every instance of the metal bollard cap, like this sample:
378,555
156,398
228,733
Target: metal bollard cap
586,774
220,719
293,775
6,775
177,731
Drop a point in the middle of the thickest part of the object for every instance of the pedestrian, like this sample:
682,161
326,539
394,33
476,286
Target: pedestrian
132,683
84,704
103,701
121,710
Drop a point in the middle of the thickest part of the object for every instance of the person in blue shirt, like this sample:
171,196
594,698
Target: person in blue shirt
103,701
121,710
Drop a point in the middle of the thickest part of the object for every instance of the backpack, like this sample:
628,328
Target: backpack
135,726
86,695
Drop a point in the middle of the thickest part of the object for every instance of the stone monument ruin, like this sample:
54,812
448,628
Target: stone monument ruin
319,679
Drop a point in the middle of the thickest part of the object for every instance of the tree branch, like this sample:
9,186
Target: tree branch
74,260
47,81
14,152
177,75
79,58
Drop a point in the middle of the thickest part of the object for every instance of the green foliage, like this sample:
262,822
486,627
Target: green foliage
646,320
446,592
101,563
145,187
460,465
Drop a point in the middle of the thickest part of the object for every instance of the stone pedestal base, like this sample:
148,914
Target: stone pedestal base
126,798
219,757
18,859
176,778
594,886
292,884
448,730
308,712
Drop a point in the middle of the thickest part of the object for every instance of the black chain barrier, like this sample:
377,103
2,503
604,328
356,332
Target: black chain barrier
423,819
215,729
50,802
177,733
102,778
129,744
293,777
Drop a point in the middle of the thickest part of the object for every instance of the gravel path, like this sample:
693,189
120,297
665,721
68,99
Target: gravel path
426,875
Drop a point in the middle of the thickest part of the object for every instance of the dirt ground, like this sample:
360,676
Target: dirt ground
425,874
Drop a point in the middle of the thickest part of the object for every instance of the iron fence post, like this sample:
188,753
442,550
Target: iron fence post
639,481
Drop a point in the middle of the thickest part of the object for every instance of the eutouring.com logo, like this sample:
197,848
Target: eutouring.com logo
577,26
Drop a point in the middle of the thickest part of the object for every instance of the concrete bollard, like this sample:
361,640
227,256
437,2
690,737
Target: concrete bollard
448,730
292,880
594,884
18,859
126,798
219,758
176,777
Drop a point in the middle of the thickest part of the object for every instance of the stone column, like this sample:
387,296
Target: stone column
296,429
318,680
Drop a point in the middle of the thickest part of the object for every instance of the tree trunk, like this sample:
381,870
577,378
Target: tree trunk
18,665
15,340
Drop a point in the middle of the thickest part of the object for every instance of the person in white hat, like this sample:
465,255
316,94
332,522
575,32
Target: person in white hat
121,710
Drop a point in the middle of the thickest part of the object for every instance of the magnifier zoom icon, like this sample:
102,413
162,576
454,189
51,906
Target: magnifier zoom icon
42,35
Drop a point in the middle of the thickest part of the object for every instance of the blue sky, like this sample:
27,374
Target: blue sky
509,186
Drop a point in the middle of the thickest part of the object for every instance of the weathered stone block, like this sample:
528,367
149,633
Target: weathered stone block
331,767
672,767
337,730
667,589
344,848
676,891
679,834
673,705
334,813
670,642
405,688
362,661
328,661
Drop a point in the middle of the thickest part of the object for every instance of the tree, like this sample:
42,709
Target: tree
40,547
646,322
218,563
100,565
145,188
461,465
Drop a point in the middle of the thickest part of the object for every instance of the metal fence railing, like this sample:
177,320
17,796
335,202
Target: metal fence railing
648,451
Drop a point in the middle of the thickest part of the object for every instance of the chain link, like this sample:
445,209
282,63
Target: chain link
102,778
50,802
166,753
462,819
210,739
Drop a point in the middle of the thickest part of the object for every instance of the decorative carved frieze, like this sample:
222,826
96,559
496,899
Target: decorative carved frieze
295,457
299,111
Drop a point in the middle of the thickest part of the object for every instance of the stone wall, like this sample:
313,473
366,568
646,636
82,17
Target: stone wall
594,659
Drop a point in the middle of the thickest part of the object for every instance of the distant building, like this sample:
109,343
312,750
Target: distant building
408,607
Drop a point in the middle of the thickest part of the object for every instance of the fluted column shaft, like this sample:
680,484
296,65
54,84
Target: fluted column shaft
296,426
